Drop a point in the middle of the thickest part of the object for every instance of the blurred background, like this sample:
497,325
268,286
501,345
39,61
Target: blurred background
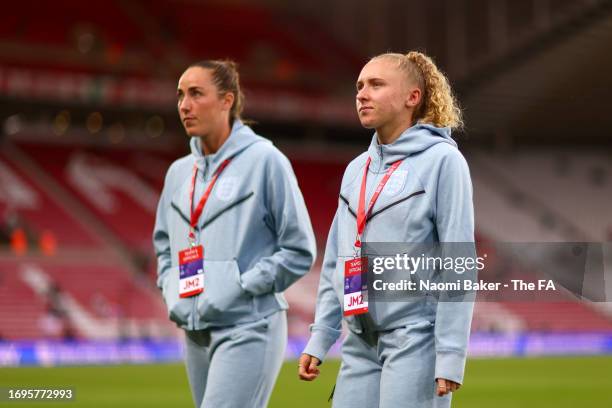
88,128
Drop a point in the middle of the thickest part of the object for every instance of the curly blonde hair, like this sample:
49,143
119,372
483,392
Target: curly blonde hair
438,105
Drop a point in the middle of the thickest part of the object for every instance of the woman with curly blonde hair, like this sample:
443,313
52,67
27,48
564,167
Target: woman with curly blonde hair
411,186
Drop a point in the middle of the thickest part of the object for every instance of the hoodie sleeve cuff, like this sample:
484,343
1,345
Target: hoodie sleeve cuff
256,281
450,365
321,340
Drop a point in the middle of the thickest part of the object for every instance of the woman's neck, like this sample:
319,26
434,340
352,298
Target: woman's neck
212,142
390,132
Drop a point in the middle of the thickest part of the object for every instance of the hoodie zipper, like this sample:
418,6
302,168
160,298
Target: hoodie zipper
206,167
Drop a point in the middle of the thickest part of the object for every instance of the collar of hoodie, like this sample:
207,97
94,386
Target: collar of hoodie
241,137
415,139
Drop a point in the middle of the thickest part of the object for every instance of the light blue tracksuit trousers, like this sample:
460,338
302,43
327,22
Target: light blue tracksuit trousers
396,372
237,366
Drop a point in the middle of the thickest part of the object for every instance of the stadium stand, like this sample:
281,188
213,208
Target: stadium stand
20,309
121,199
573,185
25,199
77,299
53,24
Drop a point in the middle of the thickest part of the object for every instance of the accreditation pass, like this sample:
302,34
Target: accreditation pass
355,287
191,271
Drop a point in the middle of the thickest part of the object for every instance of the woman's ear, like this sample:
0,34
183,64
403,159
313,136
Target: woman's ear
228,100
413,98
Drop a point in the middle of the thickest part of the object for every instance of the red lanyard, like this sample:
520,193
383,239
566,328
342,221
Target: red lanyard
195,215
361,213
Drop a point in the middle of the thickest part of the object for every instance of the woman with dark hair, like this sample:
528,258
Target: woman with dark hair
231,234
411,186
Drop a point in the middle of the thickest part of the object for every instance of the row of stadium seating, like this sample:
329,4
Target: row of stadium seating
574,187
63,298
114,37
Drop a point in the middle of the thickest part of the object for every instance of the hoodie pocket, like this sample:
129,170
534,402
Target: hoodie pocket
178,308
223,301
413,334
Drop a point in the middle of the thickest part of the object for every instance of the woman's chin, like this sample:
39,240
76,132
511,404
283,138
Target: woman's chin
368,124
192,132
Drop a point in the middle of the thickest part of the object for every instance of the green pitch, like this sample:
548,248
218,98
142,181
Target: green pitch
529,382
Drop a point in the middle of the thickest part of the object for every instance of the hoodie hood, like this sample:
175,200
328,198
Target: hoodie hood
415,139
239,139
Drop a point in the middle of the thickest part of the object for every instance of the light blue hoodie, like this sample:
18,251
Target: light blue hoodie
427,200
255,230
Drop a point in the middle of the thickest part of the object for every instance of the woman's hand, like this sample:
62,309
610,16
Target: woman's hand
445,386
307,367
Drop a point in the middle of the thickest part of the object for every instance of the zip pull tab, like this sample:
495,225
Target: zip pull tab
357,241
357,246
192,238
